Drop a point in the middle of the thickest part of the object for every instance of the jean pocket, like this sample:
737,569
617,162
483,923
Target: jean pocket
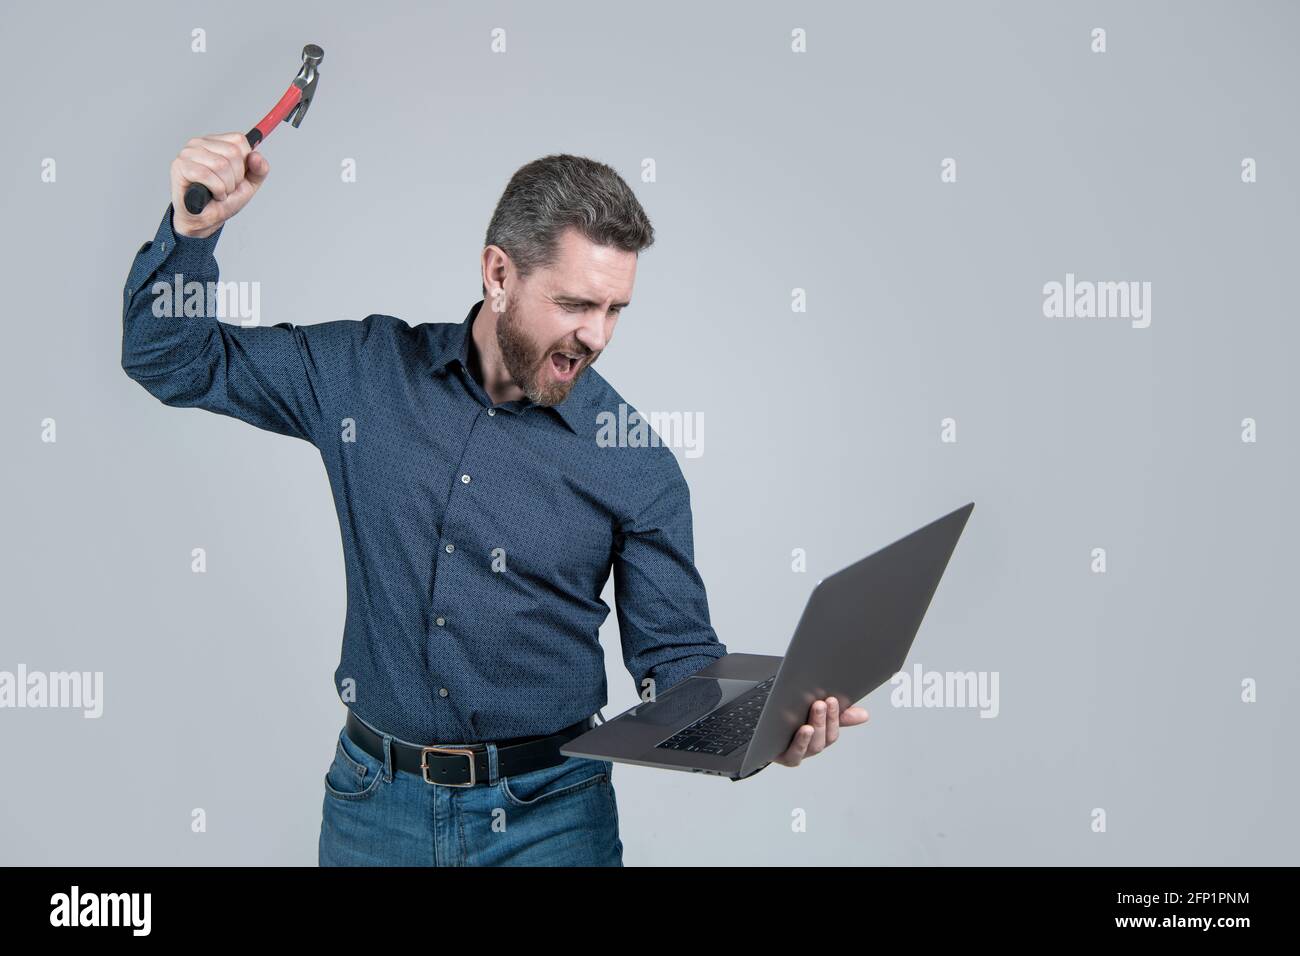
574,774
355,774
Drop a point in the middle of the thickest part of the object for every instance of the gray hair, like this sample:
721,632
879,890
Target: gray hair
556,192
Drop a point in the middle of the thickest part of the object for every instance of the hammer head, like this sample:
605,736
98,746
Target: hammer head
306,81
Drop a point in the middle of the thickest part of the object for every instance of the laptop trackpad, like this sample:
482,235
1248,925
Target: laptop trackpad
687,701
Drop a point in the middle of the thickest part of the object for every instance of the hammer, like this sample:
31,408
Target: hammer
291,108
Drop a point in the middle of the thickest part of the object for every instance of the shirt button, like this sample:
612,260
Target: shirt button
451,548
442,692
440,621
491,412
464,479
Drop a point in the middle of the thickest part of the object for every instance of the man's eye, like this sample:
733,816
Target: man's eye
570,307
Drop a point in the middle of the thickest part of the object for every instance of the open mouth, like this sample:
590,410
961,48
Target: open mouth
565,365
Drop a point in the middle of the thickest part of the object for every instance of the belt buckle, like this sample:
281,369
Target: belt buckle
424,765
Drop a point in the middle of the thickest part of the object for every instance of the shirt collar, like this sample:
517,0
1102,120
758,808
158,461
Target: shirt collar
457,350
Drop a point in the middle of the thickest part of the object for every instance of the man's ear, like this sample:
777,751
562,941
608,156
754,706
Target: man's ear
496,269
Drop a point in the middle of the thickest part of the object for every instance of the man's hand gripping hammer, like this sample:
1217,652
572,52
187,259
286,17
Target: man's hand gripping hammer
291,108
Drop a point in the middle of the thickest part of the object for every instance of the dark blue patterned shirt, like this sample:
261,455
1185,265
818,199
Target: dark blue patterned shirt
477,538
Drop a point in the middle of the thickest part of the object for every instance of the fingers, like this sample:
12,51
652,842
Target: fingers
239,140
184,172
242,162
228,167
210,169
798,747
221,159
826,720
818,720
258,169
853,716
832,720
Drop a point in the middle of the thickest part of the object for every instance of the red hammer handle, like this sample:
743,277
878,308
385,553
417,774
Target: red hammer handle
197,196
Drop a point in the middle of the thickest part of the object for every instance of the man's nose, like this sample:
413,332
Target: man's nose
591,333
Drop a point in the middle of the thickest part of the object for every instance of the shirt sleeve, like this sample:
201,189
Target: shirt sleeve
177,348
659,596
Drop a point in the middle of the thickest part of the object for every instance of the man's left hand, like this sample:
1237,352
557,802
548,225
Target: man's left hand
822,729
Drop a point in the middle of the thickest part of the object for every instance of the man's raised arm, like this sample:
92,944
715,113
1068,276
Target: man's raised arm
268,376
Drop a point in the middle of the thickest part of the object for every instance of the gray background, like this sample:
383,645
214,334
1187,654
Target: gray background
775,171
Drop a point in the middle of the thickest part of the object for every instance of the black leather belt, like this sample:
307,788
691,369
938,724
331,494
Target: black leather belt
464,765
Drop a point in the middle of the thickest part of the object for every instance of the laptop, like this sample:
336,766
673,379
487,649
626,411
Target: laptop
738,714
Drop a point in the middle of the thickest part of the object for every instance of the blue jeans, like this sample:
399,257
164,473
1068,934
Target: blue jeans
377,815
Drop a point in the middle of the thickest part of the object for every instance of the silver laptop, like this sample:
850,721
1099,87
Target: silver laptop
735,716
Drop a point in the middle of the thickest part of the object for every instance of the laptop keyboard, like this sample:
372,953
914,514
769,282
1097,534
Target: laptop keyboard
725,730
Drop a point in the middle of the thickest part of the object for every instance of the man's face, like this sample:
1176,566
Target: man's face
562,317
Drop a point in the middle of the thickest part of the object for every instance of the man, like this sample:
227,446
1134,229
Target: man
480,516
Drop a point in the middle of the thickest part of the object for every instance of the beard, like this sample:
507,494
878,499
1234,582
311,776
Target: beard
528,363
